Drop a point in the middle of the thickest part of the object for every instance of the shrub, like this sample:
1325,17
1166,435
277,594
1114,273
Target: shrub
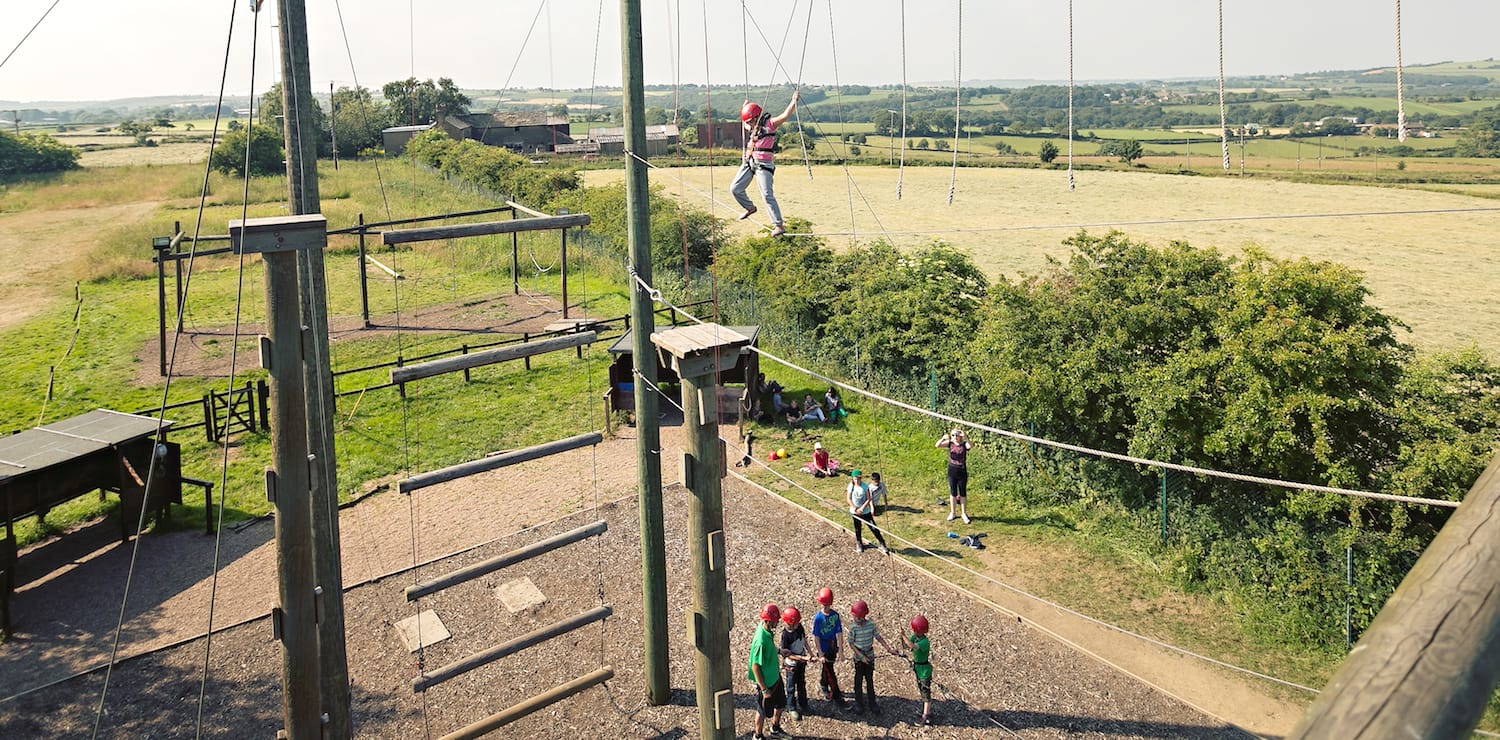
266,156
29,153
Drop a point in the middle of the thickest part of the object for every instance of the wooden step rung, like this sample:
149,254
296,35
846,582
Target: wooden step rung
540,701
491,356
495,462
483,567
486,228
509,647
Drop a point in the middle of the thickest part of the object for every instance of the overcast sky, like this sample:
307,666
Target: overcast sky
98,49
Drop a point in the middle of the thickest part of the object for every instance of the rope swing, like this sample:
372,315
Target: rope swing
958,101
1071,184
1400,88
1223,116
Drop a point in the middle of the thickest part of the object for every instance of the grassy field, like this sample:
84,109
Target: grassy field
1381,103
1433,270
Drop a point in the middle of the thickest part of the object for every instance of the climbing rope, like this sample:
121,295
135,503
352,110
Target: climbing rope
838,97
1400,88
958,101
1223,113
901,171
1071,184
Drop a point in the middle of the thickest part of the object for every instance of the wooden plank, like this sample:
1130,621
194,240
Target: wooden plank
490,357
454,472
528,211
1430,661
540,547
430,233
509,647
535,703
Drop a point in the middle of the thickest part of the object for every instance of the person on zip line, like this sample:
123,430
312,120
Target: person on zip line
759,160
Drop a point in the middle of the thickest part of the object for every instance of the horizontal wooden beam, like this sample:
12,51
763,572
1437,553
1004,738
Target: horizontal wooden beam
540,701
1428,665
491,356
528,211
469,573
514,457
509,647
430,233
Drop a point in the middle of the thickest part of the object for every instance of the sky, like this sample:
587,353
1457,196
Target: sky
103,50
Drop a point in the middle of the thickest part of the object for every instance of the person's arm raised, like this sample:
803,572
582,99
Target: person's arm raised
790,109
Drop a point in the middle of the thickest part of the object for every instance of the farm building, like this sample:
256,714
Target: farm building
659,141
534,131
725,134
394,139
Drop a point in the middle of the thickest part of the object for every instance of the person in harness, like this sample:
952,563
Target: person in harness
760,159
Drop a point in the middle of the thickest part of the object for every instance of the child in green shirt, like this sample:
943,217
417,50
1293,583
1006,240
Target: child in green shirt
920,649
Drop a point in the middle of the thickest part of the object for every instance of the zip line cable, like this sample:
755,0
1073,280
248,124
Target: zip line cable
743,452
34,26
1104,454
159,436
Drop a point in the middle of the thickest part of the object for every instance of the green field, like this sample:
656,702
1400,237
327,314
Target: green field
1435,271
1414,109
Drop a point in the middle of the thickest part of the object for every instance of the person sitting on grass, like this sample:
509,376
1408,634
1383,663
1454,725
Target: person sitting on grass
834,404
793,419
822,466
811,410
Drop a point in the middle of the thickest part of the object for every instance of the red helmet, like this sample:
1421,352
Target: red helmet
791,616
770,613
750,112
825,596
859,608
919,624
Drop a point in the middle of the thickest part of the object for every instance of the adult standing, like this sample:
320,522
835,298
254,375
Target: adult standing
958,446
862,509
759,162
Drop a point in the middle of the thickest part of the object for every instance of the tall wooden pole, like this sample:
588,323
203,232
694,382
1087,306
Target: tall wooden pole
288,482
648,431
1430,661
302,184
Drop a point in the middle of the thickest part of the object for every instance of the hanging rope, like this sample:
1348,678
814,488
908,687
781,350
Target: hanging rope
958,101
745,44
1400,88
901,171
1071,184
1223,114
801,66
838,98
28,33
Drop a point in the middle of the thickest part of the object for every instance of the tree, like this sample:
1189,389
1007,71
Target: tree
412,102
266,156
1482,137
1004,149
269,116
1048,152
357,121
1128,150
29,153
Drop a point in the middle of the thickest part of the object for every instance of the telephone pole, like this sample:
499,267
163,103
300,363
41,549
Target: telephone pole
643,325
302,138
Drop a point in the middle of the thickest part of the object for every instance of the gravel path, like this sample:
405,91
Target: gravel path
1004,671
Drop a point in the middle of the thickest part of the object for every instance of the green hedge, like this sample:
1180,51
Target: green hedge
31,153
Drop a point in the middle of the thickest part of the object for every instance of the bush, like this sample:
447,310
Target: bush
266,156
30,153
492,168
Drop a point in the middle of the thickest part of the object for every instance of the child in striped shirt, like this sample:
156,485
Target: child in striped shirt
862,636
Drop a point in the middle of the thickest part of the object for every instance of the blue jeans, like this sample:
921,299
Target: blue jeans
763,176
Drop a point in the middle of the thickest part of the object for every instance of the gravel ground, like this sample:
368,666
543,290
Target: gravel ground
1006,674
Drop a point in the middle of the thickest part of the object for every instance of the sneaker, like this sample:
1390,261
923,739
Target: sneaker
966,518
860,547
951,517
794,714
926,719
778,230
777,732
885,550
748,213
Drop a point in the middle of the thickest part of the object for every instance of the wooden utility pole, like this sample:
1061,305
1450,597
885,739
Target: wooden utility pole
1430,661
643,321
333,131
302,185
288,482
699,352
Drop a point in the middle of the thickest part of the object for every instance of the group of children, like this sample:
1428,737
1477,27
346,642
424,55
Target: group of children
780,672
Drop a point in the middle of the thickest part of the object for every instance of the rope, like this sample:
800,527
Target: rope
364,112
1167,221
901,171
1103,454
1400,88
1071,183
838,97
28,33
801,67
958,101
1223,114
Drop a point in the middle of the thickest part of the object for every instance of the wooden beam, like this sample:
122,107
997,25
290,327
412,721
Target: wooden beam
540,547
514,457
540,701
534,213
490,357
1430,661
509,647
430,233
